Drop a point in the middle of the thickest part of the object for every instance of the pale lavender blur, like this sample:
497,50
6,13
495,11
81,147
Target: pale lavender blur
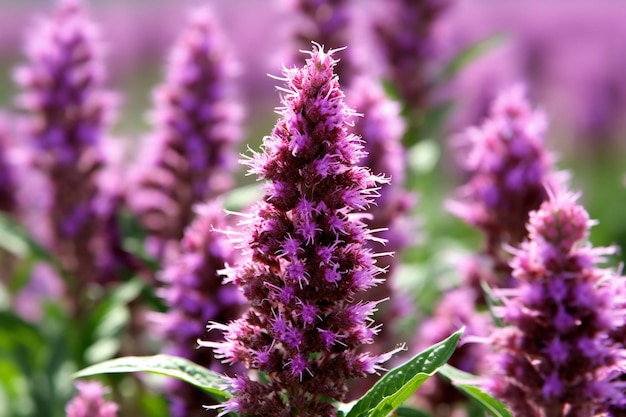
571,53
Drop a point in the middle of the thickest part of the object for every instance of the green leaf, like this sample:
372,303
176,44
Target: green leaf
466,383
242,197
153,405
168,365
17,241
492,301
100,336
15,332
400,383
390,90
469,55
411,412
133,238
424,155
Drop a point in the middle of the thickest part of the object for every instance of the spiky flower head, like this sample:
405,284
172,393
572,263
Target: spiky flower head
196,125
307,258
510,172
555,354
194,293
90,402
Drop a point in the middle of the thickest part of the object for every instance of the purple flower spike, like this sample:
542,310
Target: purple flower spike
308,257
69,111
405,33
510,172
381,129
195,295
556,354
196,125
90,402
325,22
63,87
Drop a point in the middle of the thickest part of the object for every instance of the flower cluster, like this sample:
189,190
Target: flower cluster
556,353
510,172
90,402
308,259
196,124
69,111
195,295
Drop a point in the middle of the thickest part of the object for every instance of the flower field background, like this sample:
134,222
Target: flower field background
160,194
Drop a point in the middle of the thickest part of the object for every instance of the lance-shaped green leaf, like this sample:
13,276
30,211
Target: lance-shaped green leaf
180,368
101,334
403,411
466,383
400,383
469,55
16,240
492,301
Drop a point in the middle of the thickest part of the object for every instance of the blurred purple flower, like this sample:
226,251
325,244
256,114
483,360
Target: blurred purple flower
196,124
195,295
556,353
381,128
510,172
8,197
90,402
307,257
69,110
570,54
63,87
405,32
326,22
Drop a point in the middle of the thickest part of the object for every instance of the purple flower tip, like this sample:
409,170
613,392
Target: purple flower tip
69,111
510,172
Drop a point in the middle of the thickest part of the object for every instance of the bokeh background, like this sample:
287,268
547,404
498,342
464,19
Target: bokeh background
570,54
